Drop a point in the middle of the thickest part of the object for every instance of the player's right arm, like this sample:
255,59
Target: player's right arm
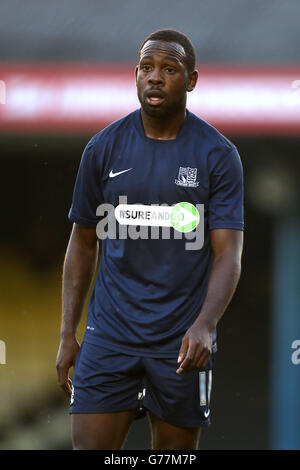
78,270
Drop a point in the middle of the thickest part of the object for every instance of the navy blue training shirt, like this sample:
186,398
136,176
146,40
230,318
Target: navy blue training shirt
148,292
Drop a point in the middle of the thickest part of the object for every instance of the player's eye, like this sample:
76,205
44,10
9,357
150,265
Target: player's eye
170,70
145,67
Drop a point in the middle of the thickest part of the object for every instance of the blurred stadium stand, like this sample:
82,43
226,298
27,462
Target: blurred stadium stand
255,404
235,31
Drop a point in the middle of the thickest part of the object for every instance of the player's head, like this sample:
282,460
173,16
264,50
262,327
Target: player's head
165,72
172,35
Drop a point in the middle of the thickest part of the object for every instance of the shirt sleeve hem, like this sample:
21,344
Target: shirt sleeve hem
227,226
82,220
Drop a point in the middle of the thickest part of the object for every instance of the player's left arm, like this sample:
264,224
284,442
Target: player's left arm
196,347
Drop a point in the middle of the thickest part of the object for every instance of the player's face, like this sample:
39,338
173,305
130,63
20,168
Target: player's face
162,78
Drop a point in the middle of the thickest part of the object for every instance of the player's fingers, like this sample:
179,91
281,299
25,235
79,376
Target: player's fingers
203,359
67,388
64,380
183,349
184,366
193,355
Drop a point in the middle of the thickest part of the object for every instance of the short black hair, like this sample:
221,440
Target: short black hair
172,35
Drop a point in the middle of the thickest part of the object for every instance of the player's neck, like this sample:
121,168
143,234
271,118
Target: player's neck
166,128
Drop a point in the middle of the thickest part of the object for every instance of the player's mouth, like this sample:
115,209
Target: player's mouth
155,98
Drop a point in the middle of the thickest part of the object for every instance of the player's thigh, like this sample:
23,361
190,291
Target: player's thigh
101,431
166,436
105,397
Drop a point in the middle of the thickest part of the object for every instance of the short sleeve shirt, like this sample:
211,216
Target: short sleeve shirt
152,280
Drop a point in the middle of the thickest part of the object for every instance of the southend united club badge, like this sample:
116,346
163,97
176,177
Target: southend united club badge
187,177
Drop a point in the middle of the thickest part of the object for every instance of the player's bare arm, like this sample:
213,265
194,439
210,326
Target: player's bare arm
196,345
78,270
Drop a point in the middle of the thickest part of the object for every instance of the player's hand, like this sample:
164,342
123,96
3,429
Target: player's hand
195,348
66,357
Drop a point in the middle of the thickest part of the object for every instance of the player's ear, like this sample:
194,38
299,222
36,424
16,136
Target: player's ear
136,72
192,80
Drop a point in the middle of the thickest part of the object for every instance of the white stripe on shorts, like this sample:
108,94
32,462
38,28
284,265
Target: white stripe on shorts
202,388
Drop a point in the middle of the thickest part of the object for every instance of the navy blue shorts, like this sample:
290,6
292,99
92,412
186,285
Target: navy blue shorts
106,381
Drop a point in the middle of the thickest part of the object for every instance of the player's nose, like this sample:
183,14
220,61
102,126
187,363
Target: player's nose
155,78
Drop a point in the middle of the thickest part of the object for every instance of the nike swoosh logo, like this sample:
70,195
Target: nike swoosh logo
206,413
112,174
